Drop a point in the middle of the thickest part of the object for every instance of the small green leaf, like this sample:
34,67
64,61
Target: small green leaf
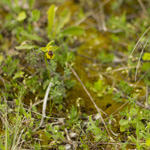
51,16
100,94
45,84
1,58
44,49
148,142
62,147
122,128
145,66
47,134
18,74
70,83
105,57
35,15
22,16
64,18
98,85
74,31
25,47
125,87
31,36
123,122
134,111
31,3
146,56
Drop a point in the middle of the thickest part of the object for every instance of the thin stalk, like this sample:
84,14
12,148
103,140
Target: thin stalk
16,3
46,62
138,64
51,106
139,41
49,74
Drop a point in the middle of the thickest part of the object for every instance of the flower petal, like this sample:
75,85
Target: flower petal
49,56
55,48
49,48
44,49
50,43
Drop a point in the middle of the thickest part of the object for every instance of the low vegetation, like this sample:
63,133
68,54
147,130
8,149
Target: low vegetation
74,75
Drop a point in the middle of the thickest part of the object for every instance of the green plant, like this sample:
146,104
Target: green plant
56,25
55,133
34,72
15,130
73,116
136,120
105,57
98,134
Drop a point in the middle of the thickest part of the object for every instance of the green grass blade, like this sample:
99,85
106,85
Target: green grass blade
51,17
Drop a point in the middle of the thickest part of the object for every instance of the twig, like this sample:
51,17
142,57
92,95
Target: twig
67,135
37,113
98,143
98,109
139,40
102,18
142,77
37,103
119,69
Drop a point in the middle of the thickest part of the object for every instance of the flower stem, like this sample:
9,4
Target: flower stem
46,62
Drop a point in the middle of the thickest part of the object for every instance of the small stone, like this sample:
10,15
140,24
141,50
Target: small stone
67,146
73,134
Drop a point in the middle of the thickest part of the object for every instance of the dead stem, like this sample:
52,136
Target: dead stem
97,143
102,18
142,77
138,64
147,105
139,41
44,105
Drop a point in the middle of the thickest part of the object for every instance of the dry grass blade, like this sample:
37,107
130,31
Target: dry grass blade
45,103
138,64
139,40
44,106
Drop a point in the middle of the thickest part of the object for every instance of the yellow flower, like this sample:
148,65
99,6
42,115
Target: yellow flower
50,55
49,50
